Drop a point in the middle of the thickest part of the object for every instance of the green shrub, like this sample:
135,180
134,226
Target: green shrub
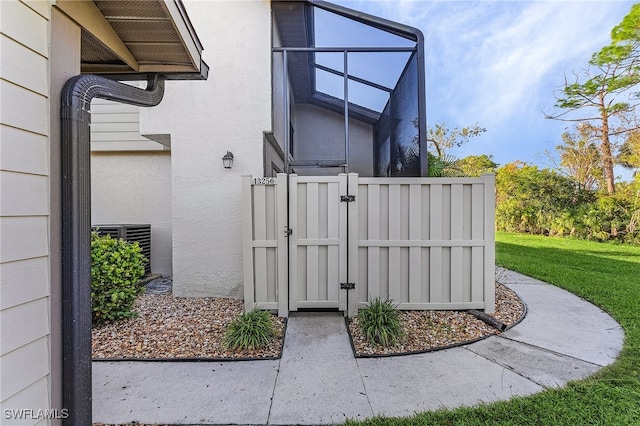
251,330
380,323
116,268
529,200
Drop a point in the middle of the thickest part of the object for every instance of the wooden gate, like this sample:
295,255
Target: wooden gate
317,242
337,242
264,243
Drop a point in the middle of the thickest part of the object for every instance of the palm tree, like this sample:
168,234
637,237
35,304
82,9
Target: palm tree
443,166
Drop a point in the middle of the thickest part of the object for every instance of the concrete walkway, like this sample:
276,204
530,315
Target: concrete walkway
318,381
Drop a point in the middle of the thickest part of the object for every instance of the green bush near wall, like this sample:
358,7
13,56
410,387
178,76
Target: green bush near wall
116,268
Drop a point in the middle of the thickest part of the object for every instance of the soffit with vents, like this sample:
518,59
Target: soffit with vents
131,37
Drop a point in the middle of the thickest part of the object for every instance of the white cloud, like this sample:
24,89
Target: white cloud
499,62
522,55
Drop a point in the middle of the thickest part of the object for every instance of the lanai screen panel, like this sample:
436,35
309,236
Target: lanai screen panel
397,147
355,65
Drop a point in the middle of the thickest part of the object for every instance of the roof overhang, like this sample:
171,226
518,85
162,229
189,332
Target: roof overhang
127,39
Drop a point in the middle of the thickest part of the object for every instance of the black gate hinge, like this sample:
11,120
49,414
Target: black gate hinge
348,198
347,286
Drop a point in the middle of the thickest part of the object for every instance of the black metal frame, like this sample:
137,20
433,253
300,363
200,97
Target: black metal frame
404,31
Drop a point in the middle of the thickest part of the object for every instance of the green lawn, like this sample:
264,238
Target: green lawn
608,275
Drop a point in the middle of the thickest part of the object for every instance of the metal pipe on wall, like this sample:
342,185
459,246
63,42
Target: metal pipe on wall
286,112
346,111
75,114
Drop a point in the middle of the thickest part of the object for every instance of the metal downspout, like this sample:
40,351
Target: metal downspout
76,228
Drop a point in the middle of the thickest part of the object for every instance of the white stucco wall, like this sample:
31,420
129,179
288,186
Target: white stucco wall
131,188
229,111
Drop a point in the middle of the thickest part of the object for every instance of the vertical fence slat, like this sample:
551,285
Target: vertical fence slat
312,233
326,208
425,234
457,212
456,234
415,234
281,250
477,218
466,276
293,247
435,253
247,240
489,243
362,203
477,233
393,206
259,212
342,249
477,274
373,255
352,229
457,274
260,262
271,253
334,261
260,253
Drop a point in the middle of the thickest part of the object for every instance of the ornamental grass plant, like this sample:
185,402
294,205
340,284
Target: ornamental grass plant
251,330
380,323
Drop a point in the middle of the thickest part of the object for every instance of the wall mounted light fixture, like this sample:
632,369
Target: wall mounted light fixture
227,160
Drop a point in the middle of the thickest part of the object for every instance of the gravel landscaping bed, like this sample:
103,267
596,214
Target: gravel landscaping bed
176,327
430,330
168,327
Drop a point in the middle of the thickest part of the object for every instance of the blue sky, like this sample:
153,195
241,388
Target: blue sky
498,63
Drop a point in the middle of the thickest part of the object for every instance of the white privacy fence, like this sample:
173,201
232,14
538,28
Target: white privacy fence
338,242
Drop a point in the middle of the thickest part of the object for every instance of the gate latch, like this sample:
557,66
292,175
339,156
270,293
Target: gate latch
288,231
348,198
347,286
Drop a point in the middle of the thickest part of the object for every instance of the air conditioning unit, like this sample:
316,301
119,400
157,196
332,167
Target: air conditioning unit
132,233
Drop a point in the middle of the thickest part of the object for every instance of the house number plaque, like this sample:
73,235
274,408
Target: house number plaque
264,181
